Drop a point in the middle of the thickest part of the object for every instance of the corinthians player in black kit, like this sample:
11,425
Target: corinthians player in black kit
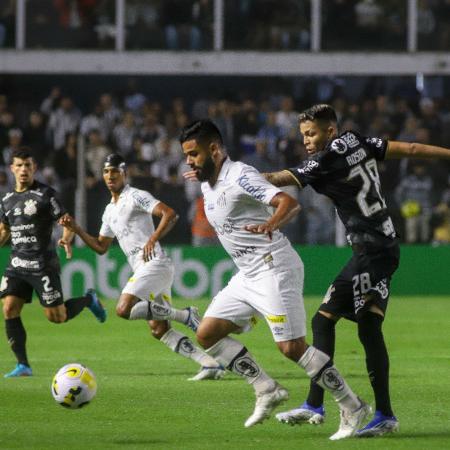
27,216
344,168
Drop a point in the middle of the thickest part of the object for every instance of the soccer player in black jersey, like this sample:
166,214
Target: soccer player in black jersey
27,215
344,168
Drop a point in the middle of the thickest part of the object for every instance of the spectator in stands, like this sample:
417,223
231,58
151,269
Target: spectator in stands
151,129
52,101
94,121
35,137
15,136
441,232
414,196
7,122
96,153
5,185
63,120
124,134
111,113
286,117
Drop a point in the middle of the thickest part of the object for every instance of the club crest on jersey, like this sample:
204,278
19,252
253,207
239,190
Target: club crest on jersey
30,207
221,201
339,146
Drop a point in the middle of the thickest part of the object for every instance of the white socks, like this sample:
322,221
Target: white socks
318,367
232,355
157,311
182,345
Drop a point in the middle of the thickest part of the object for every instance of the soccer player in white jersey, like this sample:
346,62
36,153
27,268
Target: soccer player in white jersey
128,217
269,282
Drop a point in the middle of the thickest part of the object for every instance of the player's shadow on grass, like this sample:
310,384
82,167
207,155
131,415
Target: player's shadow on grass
132,441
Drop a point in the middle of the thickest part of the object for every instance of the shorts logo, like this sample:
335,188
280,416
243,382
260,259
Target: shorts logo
245,366
276,319
332,379
277,331
4,284
30,207
339,146
382,288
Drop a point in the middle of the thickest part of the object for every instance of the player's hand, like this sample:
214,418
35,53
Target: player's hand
149,250
190,175
67,246
261,228
67,221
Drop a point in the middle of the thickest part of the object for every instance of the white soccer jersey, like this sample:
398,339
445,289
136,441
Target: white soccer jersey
241,196
130,221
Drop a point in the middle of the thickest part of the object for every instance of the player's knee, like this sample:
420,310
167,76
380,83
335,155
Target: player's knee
293,349
10,311
56,318
204,338
369,327
322,324
123,311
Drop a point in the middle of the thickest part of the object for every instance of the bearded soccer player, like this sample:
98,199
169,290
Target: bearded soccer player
27,215
344,168
129,218
269,282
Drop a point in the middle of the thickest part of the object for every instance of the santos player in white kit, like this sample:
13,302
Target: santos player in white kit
269,282
147,294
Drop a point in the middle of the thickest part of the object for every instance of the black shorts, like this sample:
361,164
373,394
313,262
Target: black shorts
47,286
368,271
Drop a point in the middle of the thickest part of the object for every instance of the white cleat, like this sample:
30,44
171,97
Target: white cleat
209,373
303,414
351,421
266,402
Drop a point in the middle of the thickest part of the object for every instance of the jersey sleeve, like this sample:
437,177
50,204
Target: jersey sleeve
377,147
309,171
144,201
256,186
3,217
56,207
105,229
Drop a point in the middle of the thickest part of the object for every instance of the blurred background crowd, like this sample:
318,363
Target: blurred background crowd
251,24
258,120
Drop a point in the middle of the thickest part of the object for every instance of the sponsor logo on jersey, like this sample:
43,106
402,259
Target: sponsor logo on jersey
56,207
350,139
23,239
356,157
276,319
246,367
17,212
243,251
257,192
339,146
37,192
375,141
24,263
9,194
226,228
133,252
25,226
144,202
30,207
309,166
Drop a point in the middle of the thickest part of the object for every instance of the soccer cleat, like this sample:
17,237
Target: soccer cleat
96,307
379,425
209,373
304,414
266,402
193,319
21,370
351,421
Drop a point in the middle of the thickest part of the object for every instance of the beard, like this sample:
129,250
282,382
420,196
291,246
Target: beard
207,171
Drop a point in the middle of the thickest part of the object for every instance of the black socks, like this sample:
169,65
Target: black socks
17,337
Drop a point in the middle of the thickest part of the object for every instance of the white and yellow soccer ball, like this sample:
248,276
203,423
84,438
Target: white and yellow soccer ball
74,386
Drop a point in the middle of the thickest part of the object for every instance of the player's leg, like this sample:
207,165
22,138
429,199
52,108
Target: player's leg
370,313
151,284
337,302
183,345
226,314
15,292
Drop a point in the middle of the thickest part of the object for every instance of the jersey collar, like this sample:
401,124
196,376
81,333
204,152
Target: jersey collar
224,169
125,189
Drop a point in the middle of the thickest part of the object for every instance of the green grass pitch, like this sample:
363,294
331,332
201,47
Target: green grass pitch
144,401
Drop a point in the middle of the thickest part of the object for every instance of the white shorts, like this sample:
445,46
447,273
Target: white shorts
151,281
278,297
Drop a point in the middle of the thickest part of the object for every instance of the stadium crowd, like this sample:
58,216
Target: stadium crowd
249,24
260,130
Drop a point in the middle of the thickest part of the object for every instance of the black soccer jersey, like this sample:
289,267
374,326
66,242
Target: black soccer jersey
346,172
30,216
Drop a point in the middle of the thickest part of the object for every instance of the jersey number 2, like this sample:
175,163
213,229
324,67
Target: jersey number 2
46,281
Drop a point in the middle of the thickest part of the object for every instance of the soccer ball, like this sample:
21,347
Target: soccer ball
74,386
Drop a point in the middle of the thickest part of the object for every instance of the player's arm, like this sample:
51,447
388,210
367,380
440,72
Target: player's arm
168,218
5,233
99,244
281,178
66,239
286,207
397,149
